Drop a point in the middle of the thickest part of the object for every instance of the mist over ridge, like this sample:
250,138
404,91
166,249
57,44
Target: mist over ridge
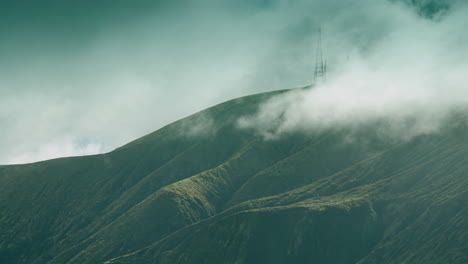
412,78
222,136
77,73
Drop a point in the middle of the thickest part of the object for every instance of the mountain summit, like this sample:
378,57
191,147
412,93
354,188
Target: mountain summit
201,190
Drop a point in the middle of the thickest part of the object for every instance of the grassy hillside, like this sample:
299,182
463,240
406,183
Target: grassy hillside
202,190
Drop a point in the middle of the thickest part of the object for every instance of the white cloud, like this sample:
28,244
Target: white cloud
413,78
55,150
129,79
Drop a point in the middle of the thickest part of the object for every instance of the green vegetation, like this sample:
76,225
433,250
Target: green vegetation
225,195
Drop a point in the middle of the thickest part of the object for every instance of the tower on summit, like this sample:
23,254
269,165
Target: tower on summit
320,68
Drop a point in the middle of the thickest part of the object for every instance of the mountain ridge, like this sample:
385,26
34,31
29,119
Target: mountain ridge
224,194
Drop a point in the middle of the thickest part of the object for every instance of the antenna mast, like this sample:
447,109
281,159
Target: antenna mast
320,70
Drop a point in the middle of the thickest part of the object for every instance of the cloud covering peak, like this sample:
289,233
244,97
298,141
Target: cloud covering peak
96,75
412,76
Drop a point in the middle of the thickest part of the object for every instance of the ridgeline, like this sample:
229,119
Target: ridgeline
229,196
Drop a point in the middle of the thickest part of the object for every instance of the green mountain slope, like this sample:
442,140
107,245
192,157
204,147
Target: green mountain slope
202,190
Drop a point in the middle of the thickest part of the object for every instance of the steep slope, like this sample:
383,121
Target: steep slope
52,207
202,190
405,205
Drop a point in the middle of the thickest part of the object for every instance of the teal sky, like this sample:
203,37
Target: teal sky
83,77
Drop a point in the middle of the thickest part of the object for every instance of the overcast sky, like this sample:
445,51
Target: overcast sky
84,77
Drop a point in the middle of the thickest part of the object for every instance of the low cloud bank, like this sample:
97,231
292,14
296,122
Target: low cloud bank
54,150
86,72
413,76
